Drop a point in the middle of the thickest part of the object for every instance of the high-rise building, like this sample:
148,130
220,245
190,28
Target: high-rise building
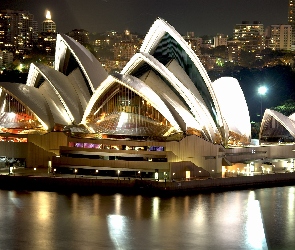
48,25
250,35
291,20
18,30
47,37
279,37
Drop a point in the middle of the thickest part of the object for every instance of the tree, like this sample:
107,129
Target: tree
247,58
286,108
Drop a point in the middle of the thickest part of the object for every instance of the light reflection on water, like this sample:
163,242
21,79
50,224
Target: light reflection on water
260,219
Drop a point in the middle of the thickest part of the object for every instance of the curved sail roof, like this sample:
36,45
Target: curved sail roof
137,86
233,106
193,104
31,98
58,85
276,125
91,68
163,39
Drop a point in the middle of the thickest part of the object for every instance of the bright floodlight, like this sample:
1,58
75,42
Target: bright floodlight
262,90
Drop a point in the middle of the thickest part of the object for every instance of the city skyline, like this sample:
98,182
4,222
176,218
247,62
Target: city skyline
201,17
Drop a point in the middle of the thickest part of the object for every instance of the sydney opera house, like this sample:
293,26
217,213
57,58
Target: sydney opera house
162,115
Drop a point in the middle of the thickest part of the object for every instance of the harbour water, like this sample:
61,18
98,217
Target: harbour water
244,219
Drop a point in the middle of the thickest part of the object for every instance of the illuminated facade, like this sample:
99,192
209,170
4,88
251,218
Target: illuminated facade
220,40
250,35
280,37
161,113
18,30
291,20
48,25
47,37
5,58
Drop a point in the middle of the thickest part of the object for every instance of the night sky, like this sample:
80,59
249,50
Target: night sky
204,17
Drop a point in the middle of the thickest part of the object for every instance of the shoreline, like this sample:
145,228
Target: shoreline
142,187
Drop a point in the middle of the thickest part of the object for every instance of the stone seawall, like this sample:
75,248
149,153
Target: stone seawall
137,186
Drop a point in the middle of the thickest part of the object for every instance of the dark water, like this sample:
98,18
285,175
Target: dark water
259,219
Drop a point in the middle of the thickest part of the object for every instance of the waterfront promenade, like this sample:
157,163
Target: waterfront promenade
39,179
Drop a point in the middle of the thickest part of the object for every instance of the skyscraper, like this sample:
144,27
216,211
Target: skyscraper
47,37
291,20
48,25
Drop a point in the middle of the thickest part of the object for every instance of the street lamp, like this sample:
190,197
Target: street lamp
261,91
139,175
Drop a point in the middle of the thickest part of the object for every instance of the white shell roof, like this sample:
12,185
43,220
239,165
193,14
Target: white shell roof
31,98
292,117
233,105
285,121
154,36
61,87
91,67
197,108
181,113
139,88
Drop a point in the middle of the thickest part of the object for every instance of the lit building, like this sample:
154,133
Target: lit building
80,35
291,20
47,37
251,36
234,51
220,40
161,113
48,24
280,37
194,42
124,50
6,57
18,30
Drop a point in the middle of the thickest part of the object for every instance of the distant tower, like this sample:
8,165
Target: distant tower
47,37
48,25
291,20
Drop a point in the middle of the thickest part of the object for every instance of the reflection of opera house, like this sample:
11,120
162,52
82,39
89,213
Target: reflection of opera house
161,114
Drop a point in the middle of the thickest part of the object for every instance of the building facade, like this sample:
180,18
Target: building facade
160,115
6,57
48,25
280,37
47,36
291,20
18,30
250,36
220,40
